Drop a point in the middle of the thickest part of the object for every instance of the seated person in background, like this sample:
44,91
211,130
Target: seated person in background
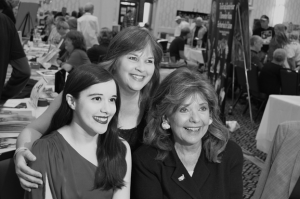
54,36
276,41
187,151
256,44
62,28
97,52
72,23
81,154
76,51
198,32
269,77
11,52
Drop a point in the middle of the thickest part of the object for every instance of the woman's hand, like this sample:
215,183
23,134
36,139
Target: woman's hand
28,177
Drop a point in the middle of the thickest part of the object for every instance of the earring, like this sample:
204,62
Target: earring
165,125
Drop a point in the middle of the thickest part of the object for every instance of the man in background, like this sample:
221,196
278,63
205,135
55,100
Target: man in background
80,12
256,43
63,13
198,32
181,24
89,26
265,32
269,77
128,19
11,52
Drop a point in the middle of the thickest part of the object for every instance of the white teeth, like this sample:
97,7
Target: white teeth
193,129
101,119
138,77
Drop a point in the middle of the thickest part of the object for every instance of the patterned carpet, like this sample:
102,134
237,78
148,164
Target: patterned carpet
245,137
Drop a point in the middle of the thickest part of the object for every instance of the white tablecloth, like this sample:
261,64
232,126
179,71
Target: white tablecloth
280,108
194,54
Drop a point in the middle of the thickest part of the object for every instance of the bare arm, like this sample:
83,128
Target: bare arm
124,193
182,56
30,178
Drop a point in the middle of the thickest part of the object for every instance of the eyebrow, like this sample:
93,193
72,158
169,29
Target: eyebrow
139,56
204,103
97,94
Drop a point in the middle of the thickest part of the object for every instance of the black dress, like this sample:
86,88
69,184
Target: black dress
134,136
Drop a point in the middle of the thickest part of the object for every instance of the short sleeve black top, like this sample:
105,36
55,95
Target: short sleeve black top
265,34
10,46
176,46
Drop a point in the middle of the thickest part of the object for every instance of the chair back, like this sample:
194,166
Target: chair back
289,82
164,45
253,79
10,187
240,76
280,176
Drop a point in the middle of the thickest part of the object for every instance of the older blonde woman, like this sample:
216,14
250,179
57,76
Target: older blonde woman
187,152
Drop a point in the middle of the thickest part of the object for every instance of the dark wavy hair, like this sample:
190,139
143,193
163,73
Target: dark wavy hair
173,90
129,40
111,151
77,39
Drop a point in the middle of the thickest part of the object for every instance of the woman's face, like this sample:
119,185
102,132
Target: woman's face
69,45
135,69
62,31
95,107
190,121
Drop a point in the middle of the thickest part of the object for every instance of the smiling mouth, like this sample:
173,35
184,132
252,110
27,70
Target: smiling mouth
192,129
138,77
101,120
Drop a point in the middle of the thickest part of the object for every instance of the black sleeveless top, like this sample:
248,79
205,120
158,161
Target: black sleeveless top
134,136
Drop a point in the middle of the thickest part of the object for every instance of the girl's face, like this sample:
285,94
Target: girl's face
69,45
95,107
135,69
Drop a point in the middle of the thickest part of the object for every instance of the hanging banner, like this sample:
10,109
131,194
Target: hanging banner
241,37
223,20
219,46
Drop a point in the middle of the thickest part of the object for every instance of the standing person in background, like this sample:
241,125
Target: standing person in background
198,33
128,19
181,24
11,52
266,32
136,69
62,28
6,9
89,26
63,13
80,12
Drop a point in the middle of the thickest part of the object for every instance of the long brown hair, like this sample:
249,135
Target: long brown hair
111,150
129,40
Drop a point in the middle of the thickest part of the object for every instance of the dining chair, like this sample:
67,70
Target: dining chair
289,82
280,175
254,91
10,187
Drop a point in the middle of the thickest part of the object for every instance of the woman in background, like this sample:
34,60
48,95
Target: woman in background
97,52
75,51
133,58
187,151
81,154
